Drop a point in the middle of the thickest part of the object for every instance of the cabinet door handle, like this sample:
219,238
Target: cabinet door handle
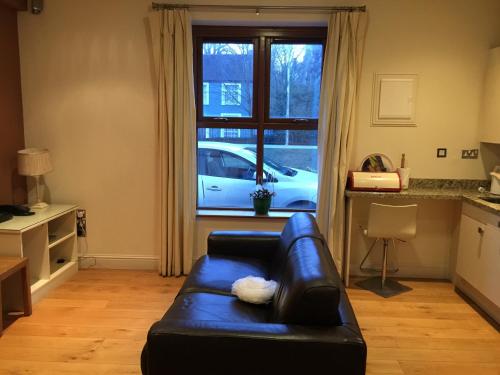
480,247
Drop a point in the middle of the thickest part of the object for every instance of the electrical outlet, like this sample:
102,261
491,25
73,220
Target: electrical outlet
473,153
81,222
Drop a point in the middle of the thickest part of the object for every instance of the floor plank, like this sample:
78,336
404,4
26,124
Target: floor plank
427,331
97,322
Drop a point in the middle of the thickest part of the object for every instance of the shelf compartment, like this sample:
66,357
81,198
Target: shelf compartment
62,254
61,227
62,239
34,247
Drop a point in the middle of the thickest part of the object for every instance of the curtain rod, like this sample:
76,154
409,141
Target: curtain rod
258,8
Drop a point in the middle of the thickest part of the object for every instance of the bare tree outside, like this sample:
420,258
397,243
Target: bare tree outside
295,80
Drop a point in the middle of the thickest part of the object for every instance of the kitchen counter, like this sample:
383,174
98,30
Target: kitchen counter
475,200
413,193
466,190
470,196
435,223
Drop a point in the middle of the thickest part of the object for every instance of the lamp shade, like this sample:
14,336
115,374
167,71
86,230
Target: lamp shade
33,162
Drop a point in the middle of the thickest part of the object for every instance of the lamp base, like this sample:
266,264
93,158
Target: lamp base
39,206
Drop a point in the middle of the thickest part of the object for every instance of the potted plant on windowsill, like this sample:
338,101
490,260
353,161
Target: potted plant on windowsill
262,200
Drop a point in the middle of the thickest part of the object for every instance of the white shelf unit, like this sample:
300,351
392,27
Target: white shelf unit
48,240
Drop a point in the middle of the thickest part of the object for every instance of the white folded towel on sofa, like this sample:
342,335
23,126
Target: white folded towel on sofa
254,289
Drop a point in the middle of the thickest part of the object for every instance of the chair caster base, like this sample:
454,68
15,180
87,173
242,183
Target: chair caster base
391,287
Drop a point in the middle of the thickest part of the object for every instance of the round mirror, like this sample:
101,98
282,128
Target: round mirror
376,163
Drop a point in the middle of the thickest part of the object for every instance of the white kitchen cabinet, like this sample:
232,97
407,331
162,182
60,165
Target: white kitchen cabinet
478,258
490,278
490,112
469,250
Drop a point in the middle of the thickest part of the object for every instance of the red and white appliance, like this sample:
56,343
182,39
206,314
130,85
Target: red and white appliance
374,181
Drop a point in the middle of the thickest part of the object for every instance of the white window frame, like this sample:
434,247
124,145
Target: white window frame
224,90
230,114
206,93
228,133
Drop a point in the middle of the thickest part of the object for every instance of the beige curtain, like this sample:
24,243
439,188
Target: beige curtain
339,89
176,135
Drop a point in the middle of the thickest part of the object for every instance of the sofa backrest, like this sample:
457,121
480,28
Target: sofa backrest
300,225
309,288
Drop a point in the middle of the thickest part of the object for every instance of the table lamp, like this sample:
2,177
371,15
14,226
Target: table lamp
34,162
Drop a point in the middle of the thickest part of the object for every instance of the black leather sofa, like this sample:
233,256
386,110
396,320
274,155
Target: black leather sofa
309,328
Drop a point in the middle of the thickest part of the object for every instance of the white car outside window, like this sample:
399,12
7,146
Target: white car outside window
227,172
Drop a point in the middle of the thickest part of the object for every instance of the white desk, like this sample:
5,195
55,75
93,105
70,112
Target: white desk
426,197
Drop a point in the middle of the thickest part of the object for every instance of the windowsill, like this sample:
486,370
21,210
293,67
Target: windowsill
246,214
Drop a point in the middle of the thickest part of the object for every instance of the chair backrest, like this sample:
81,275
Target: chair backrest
386,221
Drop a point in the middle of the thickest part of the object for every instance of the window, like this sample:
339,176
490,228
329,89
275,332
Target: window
229,67
294,82
206,93
260,123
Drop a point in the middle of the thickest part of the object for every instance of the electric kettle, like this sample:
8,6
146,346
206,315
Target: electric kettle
495,181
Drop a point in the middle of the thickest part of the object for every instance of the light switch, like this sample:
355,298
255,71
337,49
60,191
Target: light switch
441,152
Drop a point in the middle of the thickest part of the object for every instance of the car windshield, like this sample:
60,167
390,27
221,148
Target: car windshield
287,171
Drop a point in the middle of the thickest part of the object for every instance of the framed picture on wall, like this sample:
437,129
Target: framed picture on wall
394,99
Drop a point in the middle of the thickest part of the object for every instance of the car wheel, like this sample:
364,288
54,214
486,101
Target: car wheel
301,205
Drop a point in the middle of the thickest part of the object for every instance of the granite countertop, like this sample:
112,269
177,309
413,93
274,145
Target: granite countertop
466,190
475,200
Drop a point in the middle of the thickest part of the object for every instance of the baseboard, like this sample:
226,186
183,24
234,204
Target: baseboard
119,262
486,308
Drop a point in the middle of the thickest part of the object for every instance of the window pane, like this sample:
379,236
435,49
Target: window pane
290,167
226,167
228,73
206,93
295,80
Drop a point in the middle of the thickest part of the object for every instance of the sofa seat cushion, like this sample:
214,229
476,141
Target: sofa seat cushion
216,307
216,274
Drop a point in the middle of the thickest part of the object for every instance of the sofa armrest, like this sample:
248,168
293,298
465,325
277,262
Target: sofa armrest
251,348
250,244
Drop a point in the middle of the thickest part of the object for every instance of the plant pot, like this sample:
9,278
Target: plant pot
261,206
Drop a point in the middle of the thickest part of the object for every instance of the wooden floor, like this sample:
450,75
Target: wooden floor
97,324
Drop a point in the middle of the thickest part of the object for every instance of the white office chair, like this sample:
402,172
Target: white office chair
388,222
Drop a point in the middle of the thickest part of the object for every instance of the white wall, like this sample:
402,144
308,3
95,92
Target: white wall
446,44
88,96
